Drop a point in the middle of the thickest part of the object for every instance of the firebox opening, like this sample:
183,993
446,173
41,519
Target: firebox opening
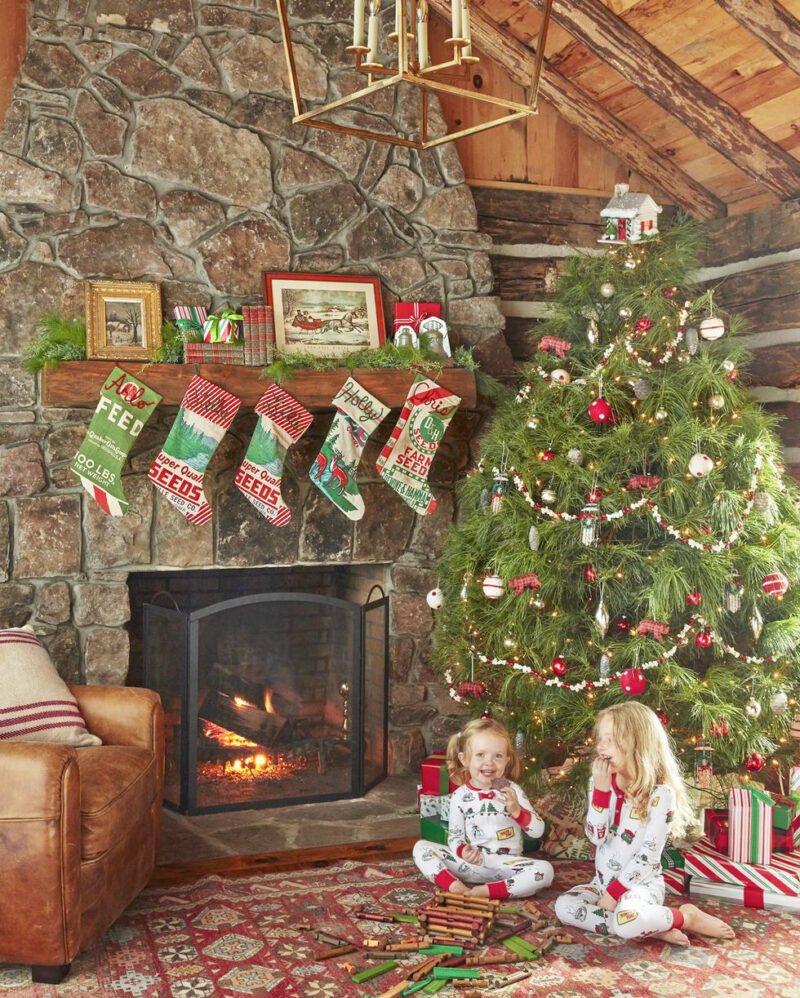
273,695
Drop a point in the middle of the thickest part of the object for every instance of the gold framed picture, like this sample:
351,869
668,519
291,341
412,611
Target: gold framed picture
123,319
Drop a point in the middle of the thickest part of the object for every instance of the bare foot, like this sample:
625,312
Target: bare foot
458,888
480,891
700,922
674,936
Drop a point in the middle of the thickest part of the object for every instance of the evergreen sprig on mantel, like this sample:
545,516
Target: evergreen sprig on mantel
635,392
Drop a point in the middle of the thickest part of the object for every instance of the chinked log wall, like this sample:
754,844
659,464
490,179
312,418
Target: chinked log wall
753,259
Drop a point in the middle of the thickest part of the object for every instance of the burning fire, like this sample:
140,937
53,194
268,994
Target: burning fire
228,739
268,702
247,765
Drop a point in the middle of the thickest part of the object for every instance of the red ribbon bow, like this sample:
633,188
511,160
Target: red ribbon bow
489,796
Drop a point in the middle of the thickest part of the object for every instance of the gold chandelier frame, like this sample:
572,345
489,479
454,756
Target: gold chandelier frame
412,67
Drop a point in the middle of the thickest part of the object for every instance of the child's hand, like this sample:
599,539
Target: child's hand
472,855
601,773
606,902
509,797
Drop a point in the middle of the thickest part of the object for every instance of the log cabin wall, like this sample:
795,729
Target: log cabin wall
754,260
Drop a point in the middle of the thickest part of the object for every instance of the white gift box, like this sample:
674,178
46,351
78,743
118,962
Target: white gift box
429,806
750,897
444,807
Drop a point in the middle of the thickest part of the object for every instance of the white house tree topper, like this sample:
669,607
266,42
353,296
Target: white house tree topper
629,217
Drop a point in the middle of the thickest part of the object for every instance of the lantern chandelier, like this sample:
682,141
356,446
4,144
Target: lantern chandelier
411,63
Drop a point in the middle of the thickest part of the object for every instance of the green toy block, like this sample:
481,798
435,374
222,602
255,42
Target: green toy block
366,975
442,948
455,973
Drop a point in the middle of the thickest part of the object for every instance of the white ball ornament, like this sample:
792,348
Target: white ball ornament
607,289
717,402
548,495
434,599
728,366
560,376
493,587
752,708
575,455
712,328
779,703
700,465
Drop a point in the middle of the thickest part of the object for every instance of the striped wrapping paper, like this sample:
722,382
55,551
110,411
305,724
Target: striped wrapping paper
750,825
676,881
781,876
794,779
750,897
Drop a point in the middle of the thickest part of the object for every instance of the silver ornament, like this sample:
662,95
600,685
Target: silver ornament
752,708
779,703
691,339
624,313
717,402
630,264
605,666
519,742
575,455
601,618
761,501
592,332
533,538
548,495
589,525
533,423
661,413
728,366
641,388
755,622
607,289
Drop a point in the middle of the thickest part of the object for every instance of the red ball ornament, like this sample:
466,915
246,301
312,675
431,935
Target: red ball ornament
633,682
703,639
775,584
694,598
668,293
559,666
548,455
600,411
732,375
590,573
754,762
595,495
469,688
661,715
486,714
718,729
643,324
623,624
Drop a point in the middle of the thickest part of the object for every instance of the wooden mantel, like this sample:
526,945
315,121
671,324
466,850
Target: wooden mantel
78,382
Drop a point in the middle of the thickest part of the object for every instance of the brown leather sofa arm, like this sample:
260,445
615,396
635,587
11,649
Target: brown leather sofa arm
122,715
40,832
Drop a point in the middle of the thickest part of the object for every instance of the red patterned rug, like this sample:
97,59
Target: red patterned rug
237,937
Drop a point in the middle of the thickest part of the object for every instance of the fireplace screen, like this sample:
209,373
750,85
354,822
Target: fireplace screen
270,699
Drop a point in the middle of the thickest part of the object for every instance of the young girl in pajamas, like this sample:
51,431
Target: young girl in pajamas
488,812
636,800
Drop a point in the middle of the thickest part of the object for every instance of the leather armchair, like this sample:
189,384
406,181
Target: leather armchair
79,829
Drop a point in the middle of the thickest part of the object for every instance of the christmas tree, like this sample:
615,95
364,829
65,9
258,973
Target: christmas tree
629,530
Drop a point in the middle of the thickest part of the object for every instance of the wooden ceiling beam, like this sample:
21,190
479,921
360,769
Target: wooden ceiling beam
710,118
577,108
771,24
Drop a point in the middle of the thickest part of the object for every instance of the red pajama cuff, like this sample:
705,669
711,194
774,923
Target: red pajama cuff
616,889
443,879
601,798
677,918
523,819
498,890
461,849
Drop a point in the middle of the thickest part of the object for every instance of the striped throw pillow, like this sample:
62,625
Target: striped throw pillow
35,702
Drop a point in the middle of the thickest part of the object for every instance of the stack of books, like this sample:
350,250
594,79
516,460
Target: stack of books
259,335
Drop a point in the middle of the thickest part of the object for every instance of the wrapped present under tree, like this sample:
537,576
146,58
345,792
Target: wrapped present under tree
750,825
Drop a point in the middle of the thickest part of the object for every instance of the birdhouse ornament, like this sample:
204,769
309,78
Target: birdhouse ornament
628,217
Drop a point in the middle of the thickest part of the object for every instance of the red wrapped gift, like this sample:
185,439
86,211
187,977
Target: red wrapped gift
717,825
411,313
435,778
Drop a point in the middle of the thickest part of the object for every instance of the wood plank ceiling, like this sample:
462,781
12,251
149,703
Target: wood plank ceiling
701,97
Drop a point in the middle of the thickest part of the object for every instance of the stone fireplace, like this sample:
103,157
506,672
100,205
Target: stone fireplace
152,140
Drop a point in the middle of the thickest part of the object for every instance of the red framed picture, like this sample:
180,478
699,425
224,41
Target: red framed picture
327,315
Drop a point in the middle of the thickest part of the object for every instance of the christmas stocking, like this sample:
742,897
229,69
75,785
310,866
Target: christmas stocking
125,406
205,414
281,422
334,471
406,459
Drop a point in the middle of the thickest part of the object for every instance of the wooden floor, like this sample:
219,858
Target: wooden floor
277,862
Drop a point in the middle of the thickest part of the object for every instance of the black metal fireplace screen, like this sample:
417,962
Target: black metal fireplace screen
270,699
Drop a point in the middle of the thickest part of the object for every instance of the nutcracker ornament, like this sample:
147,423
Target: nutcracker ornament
589,524
703,766
498,493
733,594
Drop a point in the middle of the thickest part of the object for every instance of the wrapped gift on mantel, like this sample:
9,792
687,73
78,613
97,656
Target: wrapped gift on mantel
411,313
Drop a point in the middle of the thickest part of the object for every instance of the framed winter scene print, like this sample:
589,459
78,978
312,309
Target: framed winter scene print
123,319
327,315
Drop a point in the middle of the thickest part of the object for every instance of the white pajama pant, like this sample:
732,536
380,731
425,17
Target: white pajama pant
640,912
521,875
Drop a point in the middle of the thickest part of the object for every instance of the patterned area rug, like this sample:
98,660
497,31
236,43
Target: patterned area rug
237,937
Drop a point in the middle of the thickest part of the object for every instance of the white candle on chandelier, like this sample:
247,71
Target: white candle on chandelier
455,17
422,34
358,23
466,32
399,17
372,31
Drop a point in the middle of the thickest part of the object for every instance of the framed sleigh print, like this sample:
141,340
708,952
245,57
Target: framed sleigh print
327,315
123,319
